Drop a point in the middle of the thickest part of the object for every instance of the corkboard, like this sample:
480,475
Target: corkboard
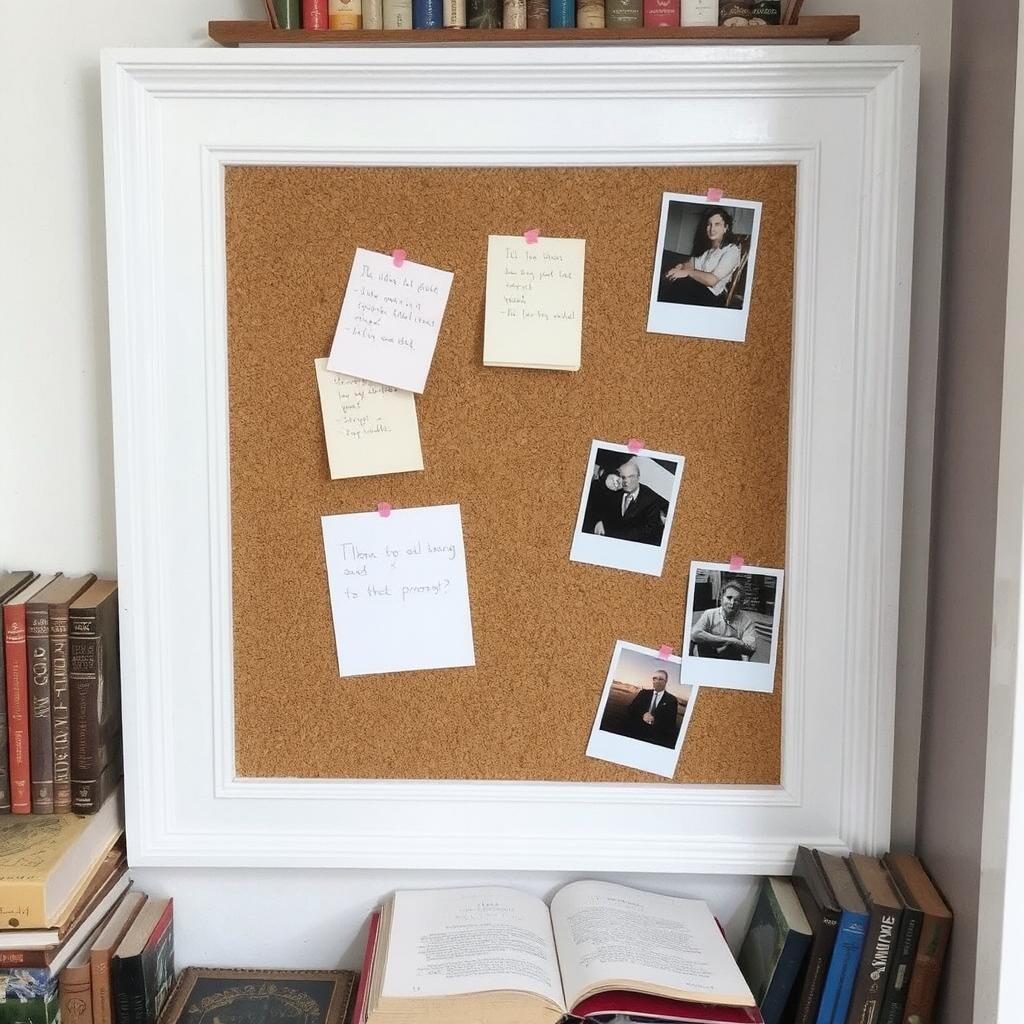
511,447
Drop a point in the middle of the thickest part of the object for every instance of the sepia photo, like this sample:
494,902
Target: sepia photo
731,628
644,711
626,508
704,267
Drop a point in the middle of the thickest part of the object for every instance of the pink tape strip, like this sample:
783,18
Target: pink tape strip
383,509
532,236
398,256
634,444
736,562
715,195
666,651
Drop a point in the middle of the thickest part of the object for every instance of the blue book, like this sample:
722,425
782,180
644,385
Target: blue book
427,14
562,14
853,926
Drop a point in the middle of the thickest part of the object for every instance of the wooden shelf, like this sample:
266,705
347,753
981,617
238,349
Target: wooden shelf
828,28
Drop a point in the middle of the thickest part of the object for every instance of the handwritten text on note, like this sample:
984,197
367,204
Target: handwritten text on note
389,322
399,594
534,302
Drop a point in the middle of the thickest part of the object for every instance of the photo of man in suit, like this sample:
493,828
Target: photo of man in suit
635,512
652,713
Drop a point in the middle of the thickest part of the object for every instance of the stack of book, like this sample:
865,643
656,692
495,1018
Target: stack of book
854,940
60,720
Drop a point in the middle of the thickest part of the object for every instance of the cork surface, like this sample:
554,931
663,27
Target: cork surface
510,446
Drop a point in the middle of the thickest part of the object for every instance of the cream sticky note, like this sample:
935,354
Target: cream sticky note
534,312
389,322
399,593
369,428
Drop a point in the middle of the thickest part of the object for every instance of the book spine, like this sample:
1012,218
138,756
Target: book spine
345,15
590,14
869,986
40,728
454,13
76,995
102,995
25,958
513,14
5,771
817,969
289,13
314,18
16,656
129,990
562,14
790,960
899,977
61,708
661,13
699,12
483,13
623,14
43,1009
835,998
397,14
924,979
538,13
373,15
84,686
427,14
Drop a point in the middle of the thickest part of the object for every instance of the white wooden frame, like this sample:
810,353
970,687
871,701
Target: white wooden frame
846,116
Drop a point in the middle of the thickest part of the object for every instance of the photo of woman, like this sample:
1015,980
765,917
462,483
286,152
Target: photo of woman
709,276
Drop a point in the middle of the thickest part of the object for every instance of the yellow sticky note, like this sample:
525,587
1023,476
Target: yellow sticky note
534,312
370,428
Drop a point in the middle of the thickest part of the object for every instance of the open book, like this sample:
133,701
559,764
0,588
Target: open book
462,956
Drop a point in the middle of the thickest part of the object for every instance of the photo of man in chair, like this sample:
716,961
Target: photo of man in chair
732,616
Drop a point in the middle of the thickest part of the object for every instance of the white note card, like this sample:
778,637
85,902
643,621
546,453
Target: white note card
369,428
390,319
399,593
534,314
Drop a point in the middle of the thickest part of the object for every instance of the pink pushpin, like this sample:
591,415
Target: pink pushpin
665,651
383,509
634,444
532,236
714,195
736,563
398,256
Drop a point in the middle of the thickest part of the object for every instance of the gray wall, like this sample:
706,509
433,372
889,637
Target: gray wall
952,775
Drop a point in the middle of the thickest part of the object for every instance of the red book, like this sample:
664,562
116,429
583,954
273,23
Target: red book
314,15
679,1011
359,1009
16,658
662,13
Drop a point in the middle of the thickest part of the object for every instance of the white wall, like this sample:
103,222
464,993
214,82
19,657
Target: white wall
54,386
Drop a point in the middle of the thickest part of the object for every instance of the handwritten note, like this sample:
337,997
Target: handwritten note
399,594
534,302
390,319
369,428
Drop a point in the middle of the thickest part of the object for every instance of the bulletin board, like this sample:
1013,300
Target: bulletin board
510,446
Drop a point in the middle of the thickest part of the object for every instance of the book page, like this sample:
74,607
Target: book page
612,936
456,941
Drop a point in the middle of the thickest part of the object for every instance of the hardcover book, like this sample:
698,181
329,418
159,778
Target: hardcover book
10,585
466,955
919,892
142,966
662,14
397,14
538,13
853,922
345,14
483,13
75,987
427,14
109,938
27,1002
777,941
95,689
819,905
885,909
314,15
623,13
287,13
299,997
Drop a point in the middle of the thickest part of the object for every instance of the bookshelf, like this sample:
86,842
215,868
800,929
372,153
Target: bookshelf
828,28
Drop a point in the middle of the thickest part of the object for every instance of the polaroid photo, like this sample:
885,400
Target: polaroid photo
626,509
704,267
644,712
731,629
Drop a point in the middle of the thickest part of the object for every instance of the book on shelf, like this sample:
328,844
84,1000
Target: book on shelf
774,947
453,14
601,950
662,14
17,683
114,928
95,690
484,13
75,986
853,922
819,906
562,14
623,13
142,965
25,1001
46,863
287,13
11,583
538,13
397,14
315,16
885,909
427,14
345,14
920,896
321,996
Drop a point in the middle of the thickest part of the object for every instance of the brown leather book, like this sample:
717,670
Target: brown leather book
95,689
108,939
11,583
75,986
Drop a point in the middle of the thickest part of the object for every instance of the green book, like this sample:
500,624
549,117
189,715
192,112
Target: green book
24,1004
289,13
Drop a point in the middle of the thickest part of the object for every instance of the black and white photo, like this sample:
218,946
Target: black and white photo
731,629
644,711
626,508
704,267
